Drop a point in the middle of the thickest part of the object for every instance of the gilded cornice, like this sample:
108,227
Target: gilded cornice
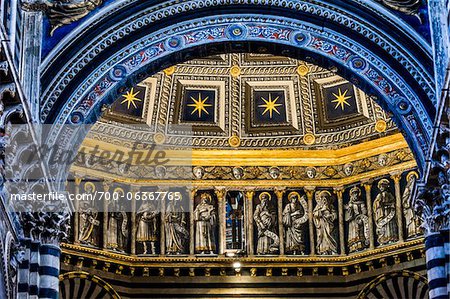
262,157
217,261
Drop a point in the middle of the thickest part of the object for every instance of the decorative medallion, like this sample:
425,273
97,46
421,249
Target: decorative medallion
303,70
235,71
169,71
159,138
380,126
309,139
234,141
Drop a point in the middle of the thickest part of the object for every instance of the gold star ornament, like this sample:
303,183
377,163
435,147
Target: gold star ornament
270,105
199,105
130,98
341,99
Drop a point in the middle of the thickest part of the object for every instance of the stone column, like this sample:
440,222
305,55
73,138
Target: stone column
339,193
49,270
191,222
133,190
106,188
33,279
24,271
312,241
162,224
221,200
398,205
250,233
435,257
368,187
44,252
30,62
76,216
279,193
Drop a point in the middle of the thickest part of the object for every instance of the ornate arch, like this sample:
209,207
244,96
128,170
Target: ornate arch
400,284
92,287
124,44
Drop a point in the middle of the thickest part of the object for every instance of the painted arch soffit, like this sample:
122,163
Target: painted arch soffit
122,69
308,102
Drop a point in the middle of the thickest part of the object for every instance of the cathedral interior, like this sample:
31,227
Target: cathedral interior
225,149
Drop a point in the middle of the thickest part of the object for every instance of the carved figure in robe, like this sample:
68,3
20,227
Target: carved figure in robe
175,227
384,209
147,228
412,221
324,217
205,222
295,215
265,219
358,222
89,226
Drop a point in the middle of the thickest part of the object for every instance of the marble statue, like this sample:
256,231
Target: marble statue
175,228
412,221
147,228
384,210
265,220
62,12
324,217
410,7
295,215
117,232
89,225
358,222
205,222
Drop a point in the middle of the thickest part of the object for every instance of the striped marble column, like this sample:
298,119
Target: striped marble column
49,271
435,256
24,271
445,233
33,281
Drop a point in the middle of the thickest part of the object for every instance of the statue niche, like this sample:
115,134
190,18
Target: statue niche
295,215
205,218
265,217
235,228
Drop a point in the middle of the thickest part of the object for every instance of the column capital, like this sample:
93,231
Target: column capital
339,191
107,184
279,192
46,227
77,179
396,176
367,184
220,192
309,190
193,192
35,5
249,194
134,188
